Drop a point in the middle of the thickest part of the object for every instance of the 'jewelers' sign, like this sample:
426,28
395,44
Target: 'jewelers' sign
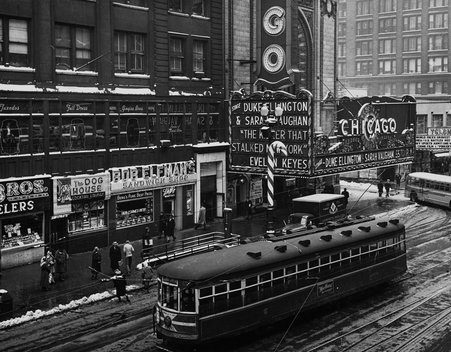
134,178
23,195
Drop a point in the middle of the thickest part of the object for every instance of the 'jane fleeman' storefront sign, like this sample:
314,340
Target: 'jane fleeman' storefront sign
135,178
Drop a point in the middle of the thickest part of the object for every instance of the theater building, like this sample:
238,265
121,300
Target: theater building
115,108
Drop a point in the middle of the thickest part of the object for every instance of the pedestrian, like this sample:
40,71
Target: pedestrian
162,225
51,264
398,181
170,228
128,253
380,188
387,188
120,284
115,256
249,209
202,221
345,193
96,263
146,275
61,258
45,271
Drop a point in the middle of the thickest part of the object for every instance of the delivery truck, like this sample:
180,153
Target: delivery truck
315,210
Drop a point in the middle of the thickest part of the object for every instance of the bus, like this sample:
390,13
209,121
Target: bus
429,188
215,295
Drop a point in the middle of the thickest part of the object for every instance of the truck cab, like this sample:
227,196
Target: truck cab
315,210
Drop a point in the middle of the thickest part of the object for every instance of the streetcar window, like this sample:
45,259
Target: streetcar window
335,260
382,246
278,281
345,258
390,244
291,277
170,297
206,306
206,291
302,267
324,261
187,300
251,281
251,295
265,286
235,285
373,250
355,252
364,251
221,303
302,272
220,288
235,298
313,267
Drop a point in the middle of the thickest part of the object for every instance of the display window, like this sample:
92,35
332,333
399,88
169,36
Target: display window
134,209
22,231
86,215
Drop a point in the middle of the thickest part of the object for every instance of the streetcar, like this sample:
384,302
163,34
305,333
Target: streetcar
219,294
429,188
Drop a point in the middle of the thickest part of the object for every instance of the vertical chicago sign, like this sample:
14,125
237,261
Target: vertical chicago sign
273,44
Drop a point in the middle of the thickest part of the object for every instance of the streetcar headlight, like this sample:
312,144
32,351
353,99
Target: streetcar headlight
167,321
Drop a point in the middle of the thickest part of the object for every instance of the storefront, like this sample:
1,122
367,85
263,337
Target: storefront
140,194
80,208
24,205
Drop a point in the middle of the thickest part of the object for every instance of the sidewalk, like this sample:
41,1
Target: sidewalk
22,283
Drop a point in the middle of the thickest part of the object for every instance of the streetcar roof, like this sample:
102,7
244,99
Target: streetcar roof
431,177
318,198
234,260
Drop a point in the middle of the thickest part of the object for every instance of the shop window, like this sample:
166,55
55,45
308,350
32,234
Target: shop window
131,131
100,132
38,134
189,201
114,131
54,133
21,231
77,133
73,47
129,52
14,45
10,136
134,209
152,125
202,123
86,215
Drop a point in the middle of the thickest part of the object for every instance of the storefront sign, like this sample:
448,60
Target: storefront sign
135,195
129,179
23,195
439,131
433,142
169,192
74,107
293,128
370,133
14,107
80,187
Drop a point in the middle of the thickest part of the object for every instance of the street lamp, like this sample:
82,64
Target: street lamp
273,147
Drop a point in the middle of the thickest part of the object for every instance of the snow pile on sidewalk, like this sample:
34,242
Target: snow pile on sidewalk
34,315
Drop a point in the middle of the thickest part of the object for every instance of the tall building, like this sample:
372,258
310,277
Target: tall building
111,114
396,48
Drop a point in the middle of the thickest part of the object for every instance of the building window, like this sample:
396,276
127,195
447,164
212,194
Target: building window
387,25
438,20
411,23
342,29
364,67
175,5
199,56
438,42
342,69
438,64
72,47
387,89
129,52
437,120
171,123
387,67
448,120
176,56
362,48
438,87
14,45
342,8
341,49
363,7
387,5
412,88
134,209
411,4
422,124
411,65
411,44
438,3
387,46
198,7
364,27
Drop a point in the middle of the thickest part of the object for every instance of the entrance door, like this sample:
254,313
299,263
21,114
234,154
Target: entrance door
168,206
208,195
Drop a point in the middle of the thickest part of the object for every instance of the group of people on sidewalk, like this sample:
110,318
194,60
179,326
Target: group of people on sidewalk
53,267
387,186
166,226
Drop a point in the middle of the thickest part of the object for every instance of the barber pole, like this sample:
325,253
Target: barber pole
275,147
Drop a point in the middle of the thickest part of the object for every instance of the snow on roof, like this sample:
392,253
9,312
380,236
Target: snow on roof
431,177
75,89
319,197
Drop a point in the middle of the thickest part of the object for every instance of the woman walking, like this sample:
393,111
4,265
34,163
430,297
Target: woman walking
96,263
